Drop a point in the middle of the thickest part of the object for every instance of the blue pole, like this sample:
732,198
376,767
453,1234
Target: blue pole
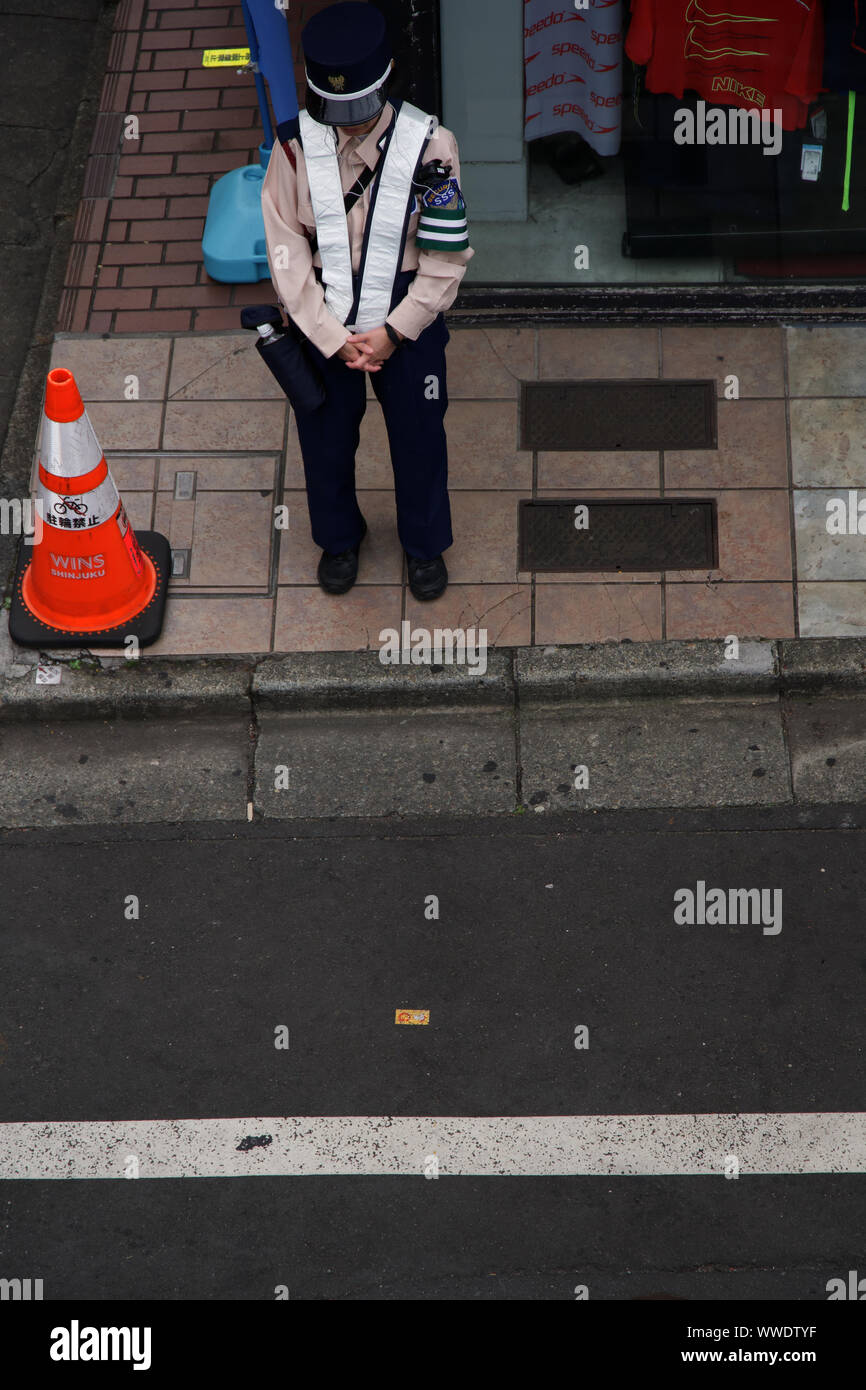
269,33
261,90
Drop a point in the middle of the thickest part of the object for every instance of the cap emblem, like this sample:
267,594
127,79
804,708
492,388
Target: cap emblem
338,82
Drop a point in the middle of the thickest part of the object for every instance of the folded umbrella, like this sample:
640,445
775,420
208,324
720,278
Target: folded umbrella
284,351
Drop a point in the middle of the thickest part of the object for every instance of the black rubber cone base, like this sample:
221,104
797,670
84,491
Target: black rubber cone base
29,631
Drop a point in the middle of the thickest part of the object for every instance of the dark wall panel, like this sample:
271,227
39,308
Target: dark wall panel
414,27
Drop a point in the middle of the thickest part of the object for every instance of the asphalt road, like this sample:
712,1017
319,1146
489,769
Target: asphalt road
321,929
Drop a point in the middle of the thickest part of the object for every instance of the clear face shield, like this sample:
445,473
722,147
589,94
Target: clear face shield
351,110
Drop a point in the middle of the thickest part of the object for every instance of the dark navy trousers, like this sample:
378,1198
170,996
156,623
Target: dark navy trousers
412,391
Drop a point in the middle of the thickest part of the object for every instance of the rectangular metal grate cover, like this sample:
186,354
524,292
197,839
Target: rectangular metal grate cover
649,414
628,535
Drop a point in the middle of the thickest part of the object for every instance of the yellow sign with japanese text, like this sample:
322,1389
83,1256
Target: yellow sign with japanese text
224,57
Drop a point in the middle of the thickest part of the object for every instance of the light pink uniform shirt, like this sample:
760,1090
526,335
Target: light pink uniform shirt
289,221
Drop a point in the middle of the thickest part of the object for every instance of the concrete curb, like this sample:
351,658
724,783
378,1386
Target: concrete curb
321,681
608,670
815,665
129,690
359,680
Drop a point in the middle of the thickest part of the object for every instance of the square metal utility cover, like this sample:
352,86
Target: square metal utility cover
632,534
652,414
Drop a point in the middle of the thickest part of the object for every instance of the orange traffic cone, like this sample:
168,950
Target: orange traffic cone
87,581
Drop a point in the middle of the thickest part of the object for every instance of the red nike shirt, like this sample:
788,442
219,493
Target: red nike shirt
764,53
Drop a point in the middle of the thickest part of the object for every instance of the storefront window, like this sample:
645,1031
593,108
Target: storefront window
659,142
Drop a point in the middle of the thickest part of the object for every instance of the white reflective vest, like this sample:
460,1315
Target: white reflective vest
387,218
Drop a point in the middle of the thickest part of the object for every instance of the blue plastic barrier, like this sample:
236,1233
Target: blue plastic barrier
233,245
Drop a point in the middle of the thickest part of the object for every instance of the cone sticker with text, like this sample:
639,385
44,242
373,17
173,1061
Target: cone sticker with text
89,581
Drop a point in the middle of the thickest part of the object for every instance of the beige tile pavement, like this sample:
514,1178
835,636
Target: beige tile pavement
133,473
232,538
485,537
225,425
308,620
221,415
381,557
482,448
129,425
752,450
613,470
828,442
214,474
294,471
826,555
504,610
220,369
174,520
102,367
139,509
215,626
490,363
373,459
754,535
832,609
581,353
755,355
228,537
826,359
568,613
719,609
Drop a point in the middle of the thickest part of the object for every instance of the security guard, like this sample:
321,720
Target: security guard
367,244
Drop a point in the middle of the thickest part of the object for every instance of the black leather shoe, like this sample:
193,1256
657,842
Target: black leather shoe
337,573
427,578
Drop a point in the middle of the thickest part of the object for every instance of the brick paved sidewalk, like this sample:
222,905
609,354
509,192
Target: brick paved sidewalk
207,405
136,263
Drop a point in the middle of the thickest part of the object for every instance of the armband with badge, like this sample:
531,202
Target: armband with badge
442,225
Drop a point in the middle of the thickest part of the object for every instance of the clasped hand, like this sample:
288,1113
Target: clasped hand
365,352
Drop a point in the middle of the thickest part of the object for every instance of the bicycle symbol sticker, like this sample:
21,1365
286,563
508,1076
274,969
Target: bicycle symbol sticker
71,504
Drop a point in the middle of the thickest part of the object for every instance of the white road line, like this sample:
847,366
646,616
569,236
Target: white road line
522,1146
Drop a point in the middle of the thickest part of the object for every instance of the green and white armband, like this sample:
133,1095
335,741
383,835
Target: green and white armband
443,225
